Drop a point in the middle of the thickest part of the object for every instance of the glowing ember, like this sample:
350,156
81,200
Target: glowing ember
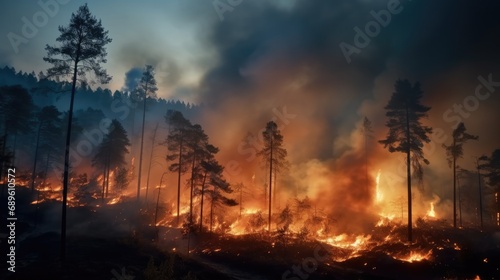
416,256
114,200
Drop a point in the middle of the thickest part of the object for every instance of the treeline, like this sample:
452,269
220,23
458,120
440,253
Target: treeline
33,120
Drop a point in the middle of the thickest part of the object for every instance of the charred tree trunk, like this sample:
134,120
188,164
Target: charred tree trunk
212,210
46,171
150,162
142,147
459,202
270,184
66,158
33,172
179,183
480,195
191,191
202,197
454,188
408,171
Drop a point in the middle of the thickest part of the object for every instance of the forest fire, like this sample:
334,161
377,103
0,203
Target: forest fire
227,148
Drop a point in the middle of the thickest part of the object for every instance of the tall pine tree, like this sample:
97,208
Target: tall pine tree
274,156
146,88
453,153
406,132
81,49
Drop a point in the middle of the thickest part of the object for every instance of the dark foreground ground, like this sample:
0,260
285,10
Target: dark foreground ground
244,257
103,245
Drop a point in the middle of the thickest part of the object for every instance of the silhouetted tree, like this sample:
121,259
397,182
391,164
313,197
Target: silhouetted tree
77,181
5,160
146,88
367,134
81,49
153,145
406,133
241,189
274,156
285,219
177,138
121,179
218,199
16,107
453,153
87,193
46,136
491,166
212,176
111,152
199,150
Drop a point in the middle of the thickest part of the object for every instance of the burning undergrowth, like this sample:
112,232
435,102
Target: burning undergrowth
438,252
242,241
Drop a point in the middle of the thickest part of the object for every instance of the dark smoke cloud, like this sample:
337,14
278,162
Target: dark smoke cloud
132,78
270,57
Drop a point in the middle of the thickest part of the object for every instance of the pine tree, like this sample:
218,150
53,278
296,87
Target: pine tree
274,156
177,138
121,179
16,107
111,152
367,134
453,153
491,167
146,88
406,133
81,49
46,135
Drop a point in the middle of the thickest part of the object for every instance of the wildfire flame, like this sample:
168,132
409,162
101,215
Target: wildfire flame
114,200
431,212
379,195
416,256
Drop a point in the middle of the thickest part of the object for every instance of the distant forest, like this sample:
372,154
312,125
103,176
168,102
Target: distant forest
93,109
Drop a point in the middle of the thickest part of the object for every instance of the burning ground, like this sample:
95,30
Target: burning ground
105,235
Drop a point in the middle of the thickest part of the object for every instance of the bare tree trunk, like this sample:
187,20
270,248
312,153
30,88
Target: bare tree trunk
151,161
212,210
480,194
142,147
33,172
408,172
459,202
191,191
179,183
66,159
202,197
454,190
46,171
270,184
